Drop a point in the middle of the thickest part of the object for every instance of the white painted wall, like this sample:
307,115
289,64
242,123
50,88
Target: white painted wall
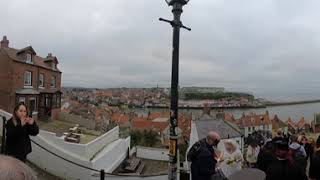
112,156
247,132
6,115
194,137
152,153
55,165
94,146
109,157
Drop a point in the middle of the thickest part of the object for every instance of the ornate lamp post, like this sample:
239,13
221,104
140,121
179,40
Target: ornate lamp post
176,24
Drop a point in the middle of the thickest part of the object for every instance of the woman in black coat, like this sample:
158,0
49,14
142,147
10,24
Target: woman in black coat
19,127
314,172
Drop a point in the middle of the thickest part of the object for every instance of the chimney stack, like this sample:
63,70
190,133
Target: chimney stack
4,42
49,55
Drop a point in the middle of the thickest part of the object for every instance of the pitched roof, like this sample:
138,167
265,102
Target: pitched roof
155,115
119,118
301,123
224,129
253,119
141,124
277,123
37,60
28,48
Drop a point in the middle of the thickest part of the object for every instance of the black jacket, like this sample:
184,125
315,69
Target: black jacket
283,170
204,163
314,170
309,150
265,158
18,142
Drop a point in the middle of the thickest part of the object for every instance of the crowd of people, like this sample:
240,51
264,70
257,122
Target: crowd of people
283,157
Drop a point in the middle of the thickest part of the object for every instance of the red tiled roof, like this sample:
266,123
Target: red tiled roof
277,123
120,118
228,117
255,120
299,124
155,115
159,126
97,114
139,124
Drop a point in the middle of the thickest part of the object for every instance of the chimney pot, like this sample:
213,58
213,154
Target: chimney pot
4,42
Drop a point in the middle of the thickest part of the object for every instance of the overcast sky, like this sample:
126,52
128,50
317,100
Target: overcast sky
268,47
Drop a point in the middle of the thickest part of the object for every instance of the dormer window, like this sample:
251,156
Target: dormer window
53,65
28,58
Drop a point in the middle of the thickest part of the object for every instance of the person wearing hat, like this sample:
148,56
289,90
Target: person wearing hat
266,156
314,172
283,167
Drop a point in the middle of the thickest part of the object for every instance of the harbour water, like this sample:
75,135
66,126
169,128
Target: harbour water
295,112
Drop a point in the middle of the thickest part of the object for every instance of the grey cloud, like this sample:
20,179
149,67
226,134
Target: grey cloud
268,47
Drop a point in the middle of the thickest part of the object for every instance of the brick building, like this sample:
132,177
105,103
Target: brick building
253,122
26,77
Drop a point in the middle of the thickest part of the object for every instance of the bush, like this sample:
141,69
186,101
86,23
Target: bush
143,138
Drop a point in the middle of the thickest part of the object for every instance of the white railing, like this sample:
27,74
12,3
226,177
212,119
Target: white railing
5,114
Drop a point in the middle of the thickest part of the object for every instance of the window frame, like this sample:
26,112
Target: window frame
24,78
41,85
35,103
28,60
55,81
20,99
53,65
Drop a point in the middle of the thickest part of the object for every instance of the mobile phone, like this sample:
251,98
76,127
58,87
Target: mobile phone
30,115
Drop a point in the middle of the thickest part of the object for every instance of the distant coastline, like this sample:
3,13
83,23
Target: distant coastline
292,103
268,104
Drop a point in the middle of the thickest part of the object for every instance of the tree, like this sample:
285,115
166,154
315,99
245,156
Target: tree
150,138
136,137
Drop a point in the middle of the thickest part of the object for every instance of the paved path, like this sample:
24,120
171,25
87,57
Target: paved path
42,175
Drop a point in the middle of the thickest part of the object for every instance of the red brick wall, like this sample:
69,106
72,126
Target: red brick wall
55,113
12,78
47,78
6,96
18,74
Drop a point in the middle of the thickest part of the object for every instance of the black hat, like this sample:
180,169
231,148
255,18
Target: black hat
282,145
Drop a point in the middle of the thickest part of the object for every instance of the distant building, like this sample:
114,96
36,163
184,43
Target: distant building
315,124
297,126
277,125
34,80
254,122
201,126
185,90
